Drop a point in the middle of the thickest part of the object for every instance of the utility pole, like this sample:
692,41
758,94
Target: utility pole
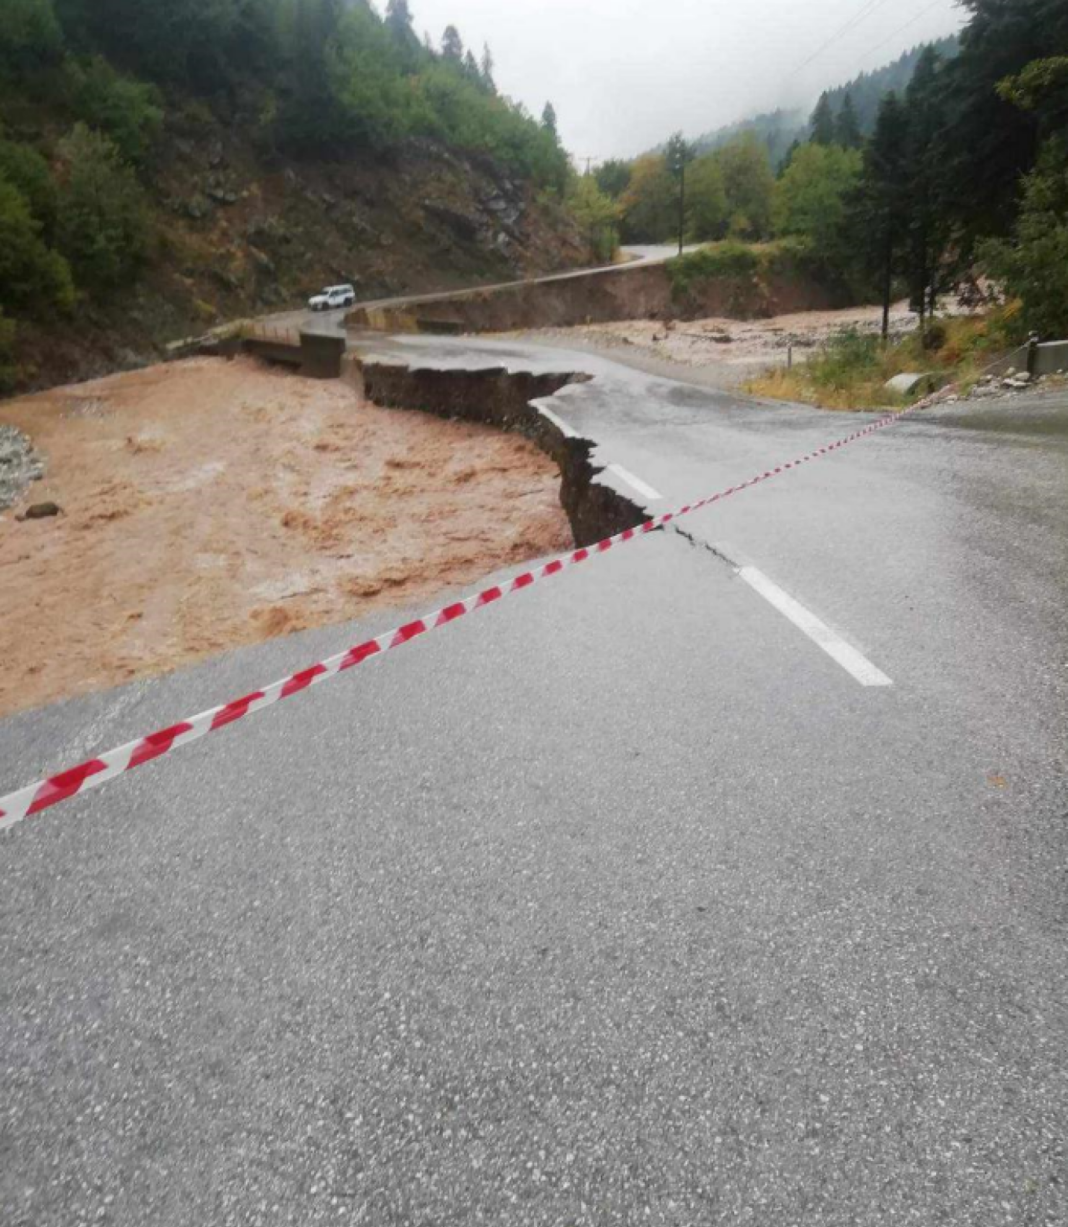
677,156
682,204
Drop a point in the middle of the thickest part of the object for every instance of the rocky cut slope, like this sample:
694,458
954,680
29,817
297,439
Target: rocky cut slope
169,167
238,233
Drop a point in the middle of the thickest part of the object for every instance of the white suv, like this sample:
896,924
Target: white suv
332,297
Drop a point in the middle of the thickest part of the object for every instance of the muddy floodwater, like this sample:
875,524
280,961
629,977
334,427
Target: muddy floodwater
210,504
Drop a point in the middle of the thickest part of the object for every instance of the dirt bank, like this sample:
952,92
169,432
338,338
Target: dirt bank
210,504
628,292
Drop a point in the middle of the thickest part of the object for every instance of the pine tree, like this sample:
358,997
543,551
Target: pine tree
452,45
822,122
928,227
879,220
993,143
399,21
487,69
847,126
548,119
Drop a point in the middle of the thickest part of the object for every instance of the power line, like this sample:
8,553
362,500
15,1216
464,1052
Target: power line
901,29
851,24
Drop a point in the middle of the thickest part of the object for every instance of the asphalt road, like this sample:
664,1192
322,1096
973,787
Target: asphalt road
620,903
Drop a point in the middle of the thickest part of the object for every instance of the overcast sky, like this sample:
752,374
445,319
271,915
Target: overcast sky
625,74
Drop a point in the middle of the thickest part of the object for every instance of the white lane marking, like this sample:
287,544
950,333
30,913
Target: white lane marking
559,423
819,632
646,491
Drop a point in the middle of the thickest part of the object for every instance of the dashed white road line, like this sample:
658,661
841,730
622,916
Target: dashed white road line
818,631
636,483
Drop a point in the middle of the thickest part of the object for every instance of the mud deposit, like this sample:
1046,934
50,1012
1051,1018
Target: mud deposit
727,351
211,504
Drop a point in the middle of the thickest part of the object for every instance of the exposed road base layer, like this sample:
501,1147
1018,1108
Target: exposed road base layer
509,401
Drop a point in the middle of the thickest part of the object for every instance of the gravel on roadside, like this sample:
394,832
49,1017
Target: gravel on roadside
19,465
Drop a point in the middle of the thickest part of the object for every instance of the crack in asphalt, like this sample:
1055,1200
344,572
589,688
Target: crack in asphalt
708,548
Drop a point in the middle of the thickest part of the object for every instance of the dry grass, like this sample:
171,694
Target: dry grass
851,371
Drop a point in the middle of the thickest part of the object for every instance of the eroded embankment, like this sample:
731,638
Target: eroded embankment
510,401
644,292
606,294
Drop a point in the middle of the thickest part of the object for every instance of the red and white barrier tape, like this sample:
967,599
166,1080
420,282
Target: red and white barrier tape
36,797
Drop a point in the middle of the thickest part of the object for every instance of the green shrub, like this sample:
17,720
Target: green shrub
30,36
597,215
129,112
8,368
33,278
722,261
934,337
846,356
102,227
27,171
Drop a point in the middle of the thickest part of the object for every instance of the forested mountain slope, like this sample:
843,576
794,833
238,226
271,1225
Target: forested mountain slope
167,167
779,129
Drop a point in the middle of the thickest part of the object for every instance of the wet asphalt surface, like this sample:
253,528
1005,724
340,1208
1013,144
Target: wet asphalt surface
619,903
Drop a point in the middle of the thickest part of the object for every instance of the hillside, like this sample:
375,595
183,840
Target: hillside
778,130
237,234
155,181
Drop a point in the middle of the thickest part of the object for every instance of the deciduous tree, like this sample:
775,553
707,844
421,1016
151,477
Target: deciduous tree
102,227
812,197
33,278
749,184
708,214
597,214
613,177
648,203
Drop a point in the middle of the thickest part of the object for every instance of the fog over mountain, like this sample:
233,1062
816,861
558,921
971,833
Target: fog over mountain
621,74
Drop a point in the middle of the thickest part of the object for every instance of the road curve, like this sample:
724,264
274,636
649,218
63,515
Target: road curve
624,902
333,322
